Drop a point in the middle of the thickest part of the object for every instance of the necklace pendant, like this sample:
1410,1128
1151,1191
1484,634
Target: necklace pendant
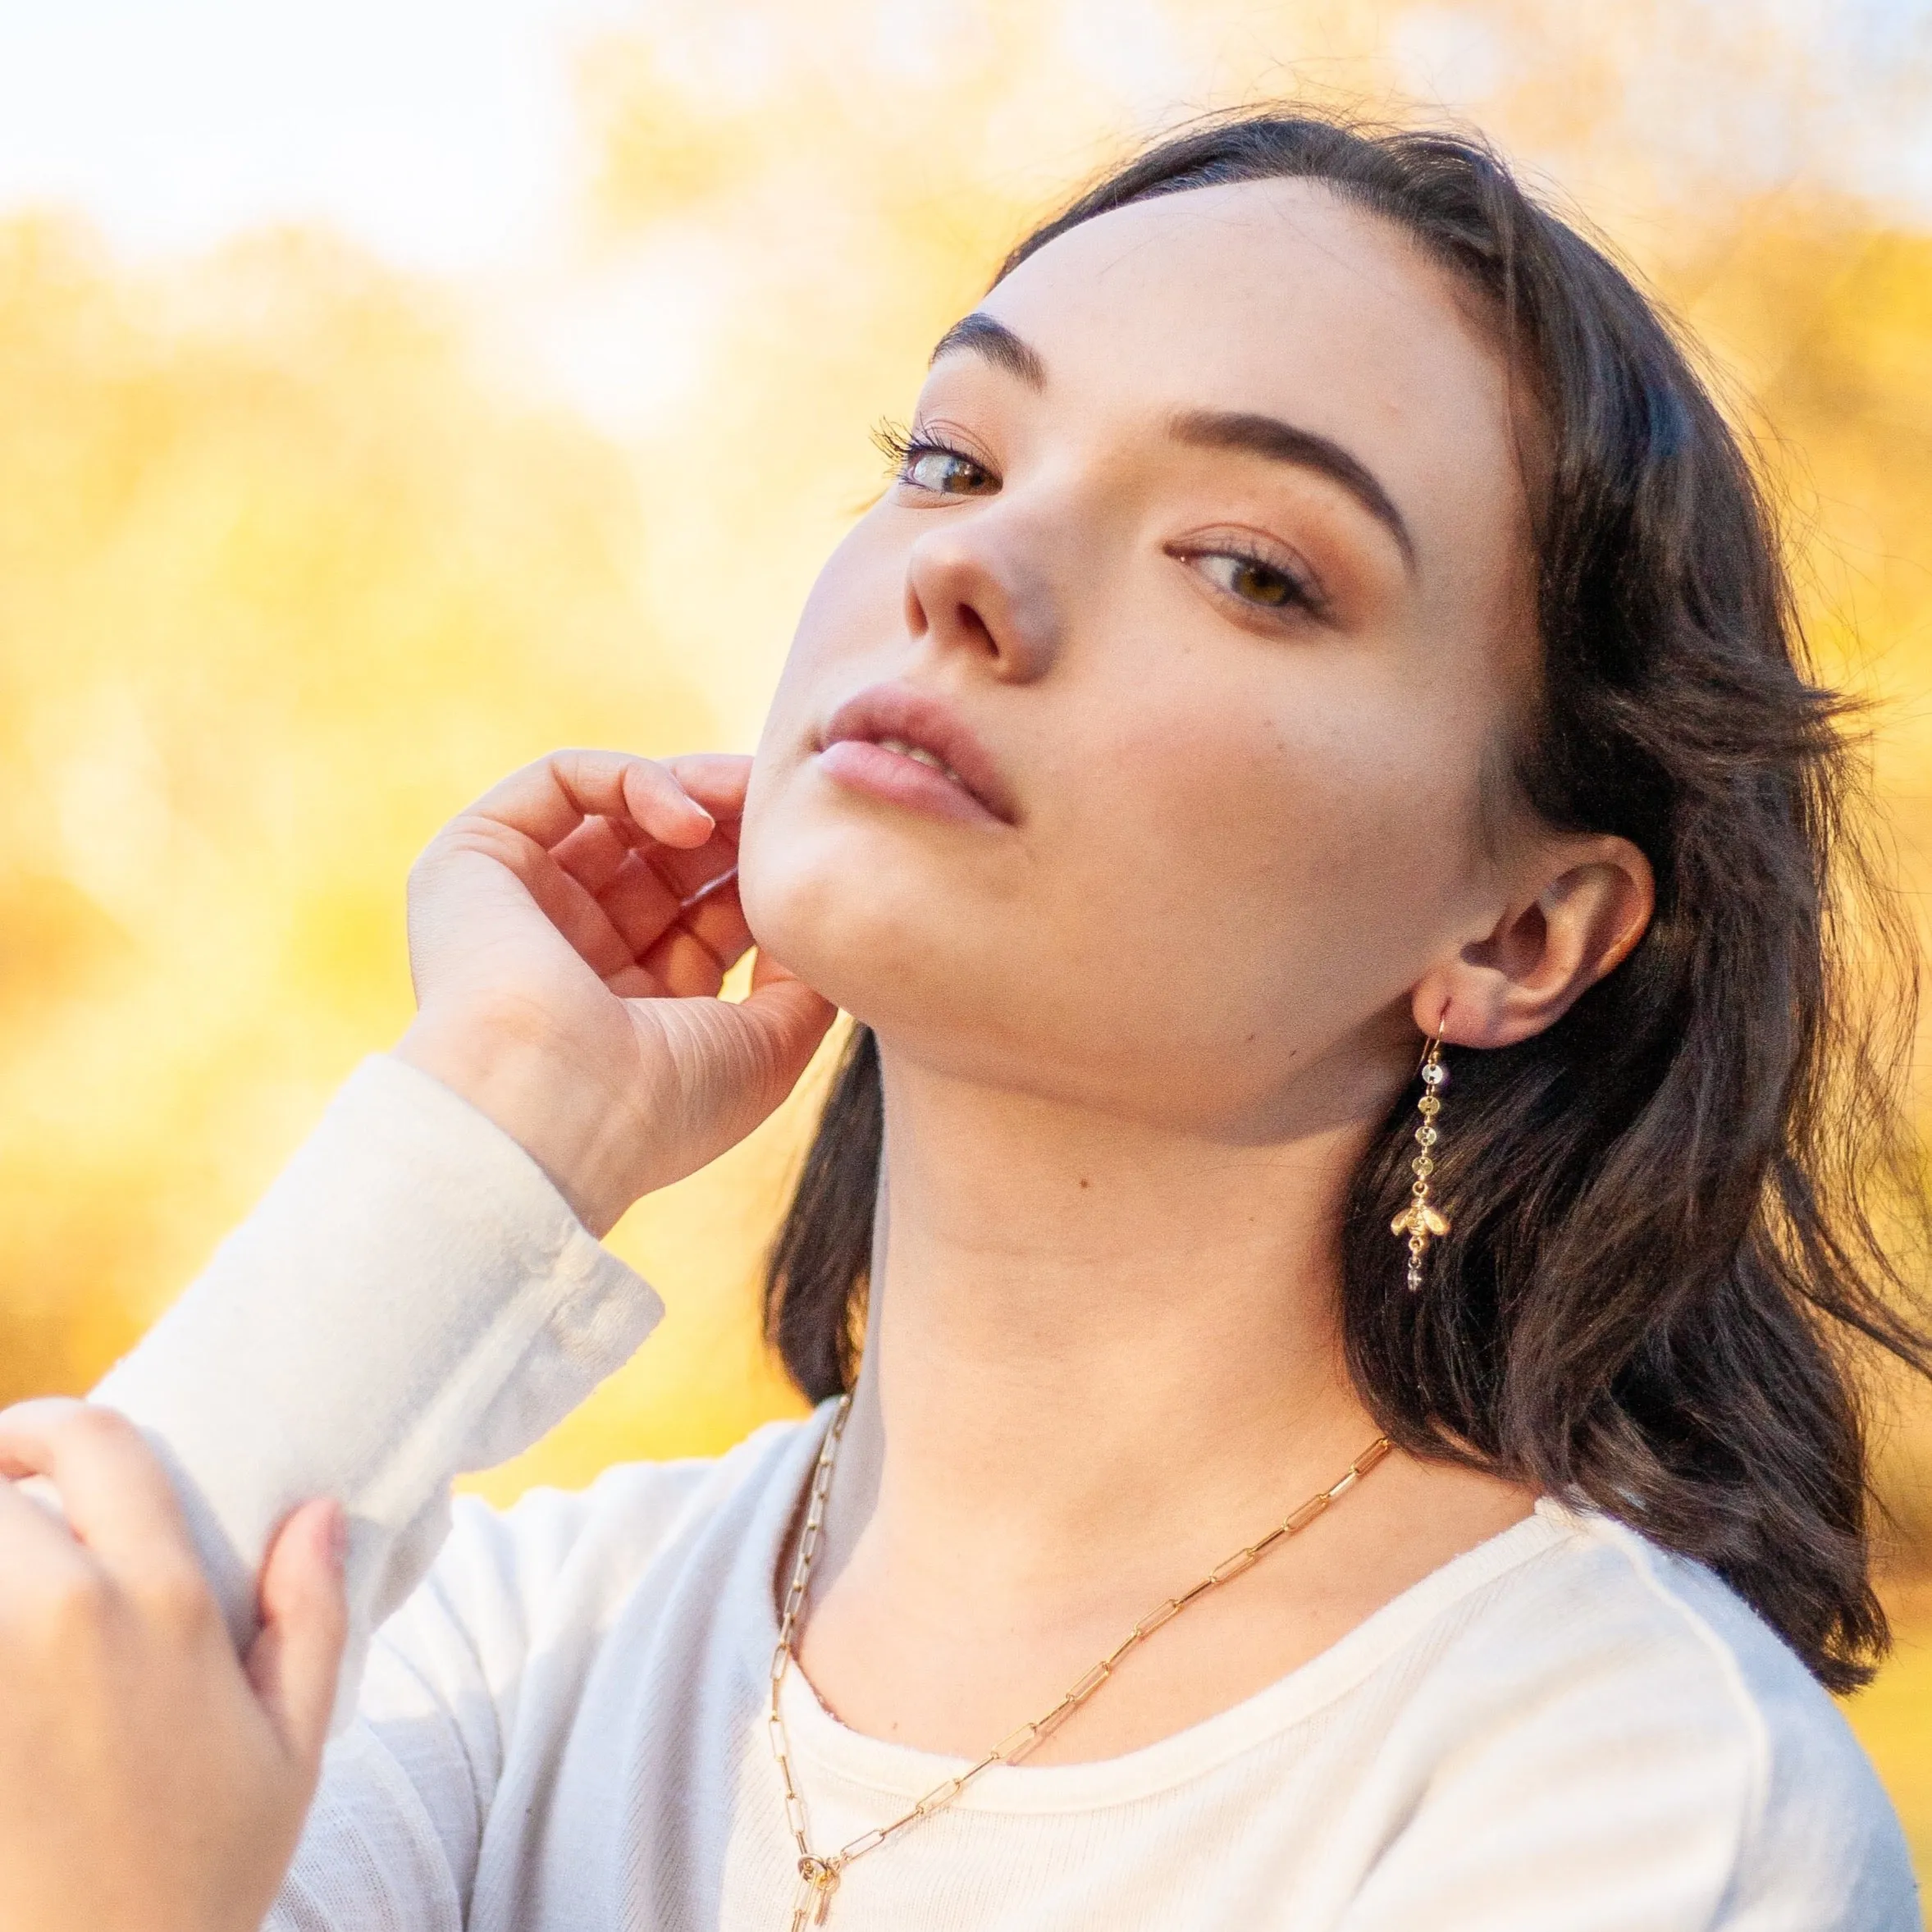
817,1881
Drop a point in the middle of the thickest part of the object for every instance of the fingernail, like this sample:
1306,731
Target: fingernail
339,1536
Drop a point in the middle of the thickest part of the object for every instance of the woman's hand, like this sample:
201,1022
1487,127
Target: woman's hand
568,934
149,1781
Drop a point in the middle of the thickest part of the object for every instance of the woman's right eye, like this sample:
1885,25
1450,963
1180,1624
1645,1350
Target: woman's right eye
942,471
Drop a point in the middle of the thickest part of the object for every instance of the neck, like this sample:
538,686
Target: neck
1089,1337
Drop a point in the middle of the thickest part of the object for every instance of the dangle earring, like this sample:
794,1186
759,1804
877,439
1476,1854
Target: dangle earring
1419,1220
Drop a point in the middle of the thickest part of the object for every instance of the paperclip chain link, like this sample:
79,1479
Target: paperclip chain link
819,1876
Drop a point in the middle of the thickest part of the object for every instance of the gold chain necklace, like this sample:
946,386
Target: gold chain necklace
818,1877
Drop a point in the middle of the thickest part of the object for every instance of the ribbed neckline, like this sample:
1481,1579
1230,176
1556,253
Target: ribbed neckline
901,1772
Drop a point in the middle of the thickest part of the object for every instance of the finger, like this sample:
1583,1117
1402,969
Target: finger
717,780
118,1499
293,1660
576,915
595,852
593,855
693,869
637,982
684,966
549,800
658,803
35,1542
501,849
639,904
717,920
644,909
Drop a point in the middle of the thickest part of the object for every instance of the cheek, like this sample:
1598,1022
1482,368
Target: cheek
1291,847
855,603
853,611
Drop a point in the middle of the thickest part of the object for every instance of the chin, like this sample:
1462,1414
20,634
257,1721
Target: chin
934,973
952,956
881,912
851,924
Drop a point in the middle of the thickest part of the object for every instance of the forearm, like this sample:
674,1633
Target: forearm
412,1298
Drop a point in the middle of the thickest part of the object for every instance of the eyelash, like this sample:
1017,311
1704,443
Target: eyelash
901,447
1304,597
893,441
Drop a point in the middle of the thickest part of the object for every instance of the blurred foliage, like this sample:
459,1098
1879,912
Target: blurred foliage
279,583
293,561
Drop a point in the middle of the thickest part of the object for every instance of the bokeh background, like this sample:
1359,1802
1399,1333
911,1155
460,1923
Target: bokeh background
391,391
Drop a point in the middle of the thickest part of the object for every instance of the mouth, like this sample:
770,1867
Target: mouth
911,748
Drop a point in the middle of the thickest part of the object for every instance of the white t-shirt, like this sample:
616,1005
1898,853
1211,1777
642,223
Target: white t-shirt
562,1728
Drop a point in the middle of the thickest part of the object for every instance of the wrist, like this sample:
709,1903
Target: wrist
556,1108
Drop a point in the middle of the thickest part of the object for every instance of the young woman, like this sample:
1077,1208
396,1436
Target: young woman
1341,1223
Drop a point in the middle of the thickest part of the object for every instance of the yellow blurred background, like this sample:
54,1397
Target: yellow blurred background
306,535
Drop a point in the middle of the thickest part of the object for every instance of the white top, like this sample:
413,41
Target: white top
1566,1730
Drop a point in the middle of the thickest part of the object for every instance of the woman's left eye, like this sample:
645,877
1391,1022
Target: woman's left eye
1252,581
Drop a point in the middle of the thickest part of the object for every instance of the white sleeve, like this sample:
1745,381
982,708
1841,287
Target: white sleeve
391,1840
412,1298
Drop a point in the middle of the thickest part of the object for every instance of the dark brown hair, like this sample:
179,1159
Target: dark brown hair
1663,1259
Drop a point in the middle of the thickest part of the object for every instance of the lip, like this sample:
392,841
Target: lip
850,752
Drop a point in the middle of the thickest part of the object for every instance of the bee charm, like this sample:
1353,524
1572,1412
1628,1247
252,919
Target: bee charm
1420,1221
1419,1218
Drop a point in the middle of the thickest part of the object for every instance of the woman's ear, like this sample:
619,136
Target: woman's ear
1587,906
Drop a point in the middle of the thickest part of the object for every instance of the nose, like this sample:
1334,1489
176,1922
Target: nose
974,587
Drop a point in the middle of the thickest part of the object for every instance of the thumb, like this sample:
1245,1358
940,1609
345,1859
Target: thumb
790,1018
739,1059
292,1664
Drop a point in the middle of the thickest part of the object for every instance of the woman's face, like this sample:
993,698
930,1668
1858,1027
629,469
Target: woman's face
1207,577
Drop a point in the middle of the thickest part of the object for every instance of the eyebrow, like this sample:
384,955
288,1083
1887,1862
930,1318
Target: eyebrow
983,336
1281,442
1244,431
